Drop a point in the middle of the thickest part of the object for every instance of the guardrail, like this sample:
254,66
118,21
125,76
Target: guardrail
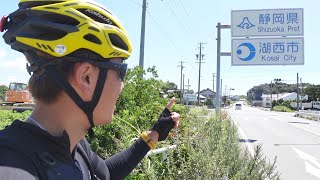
158,151
308,113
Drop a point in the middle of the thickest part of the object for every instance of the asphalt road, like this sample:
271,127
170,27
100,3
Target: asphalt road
295,141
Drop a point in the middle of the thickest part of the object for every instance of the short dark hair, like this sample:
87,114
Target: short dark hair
45,88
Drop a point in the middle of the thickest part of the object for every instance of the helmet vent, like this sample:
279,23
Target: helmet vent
70,4
94,29
50,48
44,46
39,46
54,8
118,42
30,4
60,19
92,38
115,53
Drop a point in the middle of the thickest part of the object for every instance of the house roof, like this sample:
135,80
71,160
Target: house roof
206,90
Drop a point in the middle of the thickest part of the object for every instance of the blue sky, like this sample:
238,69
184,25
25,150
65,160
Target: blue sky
173,30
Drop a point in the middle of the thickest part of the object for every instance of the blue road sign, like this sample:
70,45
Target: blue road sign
268,51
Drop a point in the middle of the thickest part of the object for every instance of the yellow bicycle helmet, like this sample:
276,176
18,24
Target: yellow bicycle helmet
61,27
69,31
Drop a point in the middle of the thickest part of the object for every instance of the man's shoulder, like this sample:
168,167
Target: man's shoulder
15,165
15,174
15,153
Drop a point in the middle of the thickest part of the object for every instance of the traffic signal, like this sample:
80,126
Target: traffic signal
277,80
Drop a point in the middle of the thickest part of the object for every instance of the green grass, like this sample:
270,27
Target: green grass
282,109
7,117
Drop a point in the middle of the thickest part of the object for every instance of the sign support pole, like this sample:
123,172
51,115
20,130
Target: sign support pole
219,54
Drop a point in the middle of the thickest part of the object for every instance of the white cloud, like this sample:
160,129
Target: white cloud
19,63
12,79
3,53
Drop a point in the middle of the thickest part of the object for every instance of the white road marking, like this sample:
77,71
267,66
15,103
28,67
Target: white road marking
313,132
312,164
243,135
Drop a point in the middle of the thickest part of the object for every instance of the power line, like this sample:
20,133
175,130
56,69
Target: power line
165,32
174,14
183,8
176,7
136,3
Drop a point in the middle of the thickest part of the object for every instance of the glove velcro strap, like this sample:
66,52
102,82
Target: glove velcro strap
144,136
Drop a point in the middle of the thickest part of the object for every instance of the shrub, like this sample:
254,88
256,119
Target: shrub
7,117
282,109
206,149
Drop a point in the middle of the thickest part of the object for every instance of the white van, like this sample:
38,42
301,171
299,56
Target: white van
238,106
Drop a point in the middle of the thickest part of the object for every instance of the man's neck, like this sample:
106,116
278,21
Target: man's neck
55,118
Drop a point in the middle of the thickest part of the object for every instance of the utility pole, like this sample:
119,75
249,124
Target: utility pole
143,32
213,76
200,58
301,93
225,90
214,94
181,68
271,96
188,85
182,89
188,90
220,97
298,99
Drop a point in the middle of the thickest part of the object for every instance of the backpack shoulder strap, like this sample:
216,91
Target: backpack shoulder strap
85,153
28,155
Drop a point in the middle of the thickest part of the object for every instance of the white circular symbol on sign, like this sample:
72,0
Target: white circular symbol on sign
60,49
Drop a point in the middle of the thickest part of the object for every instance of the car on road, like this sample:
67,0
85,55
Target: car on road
238,106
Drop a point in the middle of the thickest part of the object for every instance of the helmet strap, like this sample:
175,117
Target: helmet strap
86,107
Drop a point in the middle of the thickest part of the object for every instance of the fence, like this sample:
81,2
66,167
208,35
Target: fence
309,114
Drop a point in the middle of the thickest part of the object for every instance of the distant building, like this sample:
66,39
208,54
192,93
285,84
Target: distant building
208,93
235,98
202,98
266,98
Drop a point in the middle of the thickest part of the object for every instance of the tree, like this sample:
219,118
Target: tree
208,102
224,100
256,92
313,92
165,86
3,90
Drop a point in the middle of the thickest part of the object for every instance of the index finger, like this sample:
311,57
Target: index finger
171,102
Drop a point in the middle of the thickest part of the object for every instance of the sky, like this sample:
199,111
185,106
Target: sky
174,29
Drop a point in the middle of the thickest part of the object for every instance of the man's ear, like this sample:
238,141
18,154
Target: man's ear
83,79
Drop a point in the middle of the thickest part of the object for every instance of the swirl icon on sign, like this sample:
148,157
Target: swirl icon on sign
246,51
